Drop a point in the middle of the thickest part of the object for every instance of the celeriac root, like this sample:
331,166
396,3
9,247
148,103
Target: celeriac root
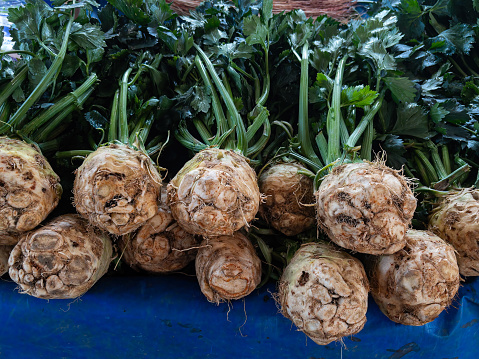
324,292
215,193
414,285
456,220
366,207
60,260
287,192
29,188
227,267
4,254
160,245
117,188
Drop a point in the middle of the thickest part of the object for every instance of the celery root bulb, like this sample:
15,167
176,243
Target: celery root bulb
227,267
366,207
117,189
29,189
60,260
288,193
414,285
456,220
215,193
160,245
4,254
324,292
159,252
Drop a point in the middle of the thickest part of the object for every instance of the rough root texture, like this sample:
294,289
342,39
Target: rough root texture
117,189
160,245
29,189
414,285
366,207
227,267
324,292
287,192
60,260
4,254
215,193
456,220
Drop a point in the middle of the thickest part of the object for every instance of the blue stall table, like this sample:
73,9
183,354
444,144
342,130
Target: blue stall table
168,317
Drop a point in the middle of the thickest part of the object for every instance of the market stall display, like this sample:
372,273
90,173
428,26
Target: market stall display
172,133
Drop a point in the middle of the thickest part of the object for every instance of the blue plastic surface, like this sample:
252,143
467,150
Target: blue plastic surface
168,317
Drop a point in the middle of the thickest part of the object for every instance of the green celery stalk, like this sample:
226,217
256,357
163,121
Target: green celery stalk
45,82
242,143
306,147
334,116
122,108
61,106
113,129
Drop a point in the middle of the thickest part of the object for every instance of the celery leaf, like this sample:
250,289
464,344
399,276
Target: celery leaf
412,120
402,89
358,96
88,36
458,39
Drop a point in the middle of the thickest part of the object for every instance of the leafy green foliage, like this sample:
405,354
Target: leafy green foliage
88,36
410,18
358,96
201,101
402,89
133,9
255,30
439,53
375,51
411,120
470,92
30,24
457,39
179,42
438,113
96,119
36,70
321,89
234,51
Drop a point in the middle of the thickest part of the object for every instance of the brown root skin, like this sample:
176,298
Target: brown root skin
227,267
117,189
286,192
214,194
29,189
414,285
324,292
159,246
455,219
366,207
61,260
4,254
9,239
